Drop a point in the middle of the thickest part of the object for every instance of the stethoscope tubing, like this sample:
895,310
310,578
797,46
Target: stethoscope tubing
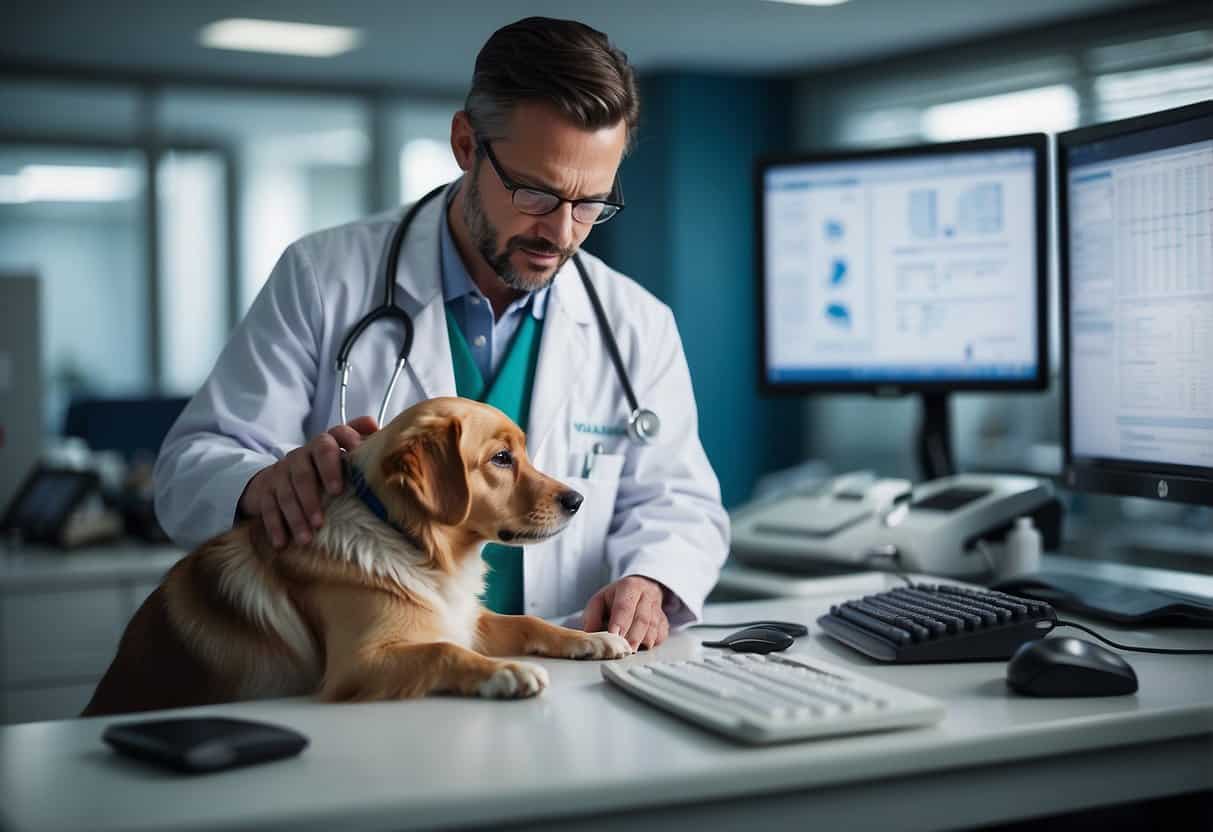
642,424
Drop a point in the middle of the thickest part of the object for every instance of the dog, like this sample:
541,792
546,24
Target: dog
383,603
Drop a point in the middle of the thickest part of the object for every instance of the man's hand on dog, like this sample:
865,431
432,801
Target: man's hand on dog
287,495
629,607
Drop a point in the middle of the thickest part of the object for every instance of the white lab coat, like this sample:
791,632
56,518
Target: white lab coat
649,510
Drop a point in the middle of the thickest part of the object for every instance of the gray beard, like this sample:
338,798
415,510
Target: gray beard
485,237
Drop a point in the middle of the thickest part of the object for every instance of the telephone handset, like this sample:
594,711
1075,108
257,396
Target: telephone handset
857,520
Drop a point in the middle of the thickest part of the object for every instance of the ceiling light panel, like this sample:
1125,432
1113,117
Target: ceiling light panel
279,37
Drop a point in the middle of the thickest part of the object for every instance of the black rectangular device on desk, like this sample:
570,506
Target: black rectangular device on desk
928,623
1120,603
197,745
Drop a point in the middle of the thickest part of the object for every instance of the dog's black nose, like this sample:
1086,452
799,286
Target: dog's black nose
570,501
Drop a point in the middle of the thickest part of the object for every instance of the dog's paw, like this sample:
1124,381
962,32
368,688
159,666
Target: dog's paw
597,646
514,680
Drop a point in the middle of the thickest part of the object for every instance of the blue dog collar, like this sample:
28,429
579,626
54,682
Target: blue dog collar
364,493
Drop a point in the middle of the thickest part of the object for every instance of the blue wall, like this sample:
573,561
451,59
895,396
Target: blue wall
688,236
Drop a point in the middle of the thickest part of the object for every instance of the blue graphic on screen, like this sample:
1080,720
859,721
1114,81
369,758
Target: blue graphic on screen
838,271
833,229
838,314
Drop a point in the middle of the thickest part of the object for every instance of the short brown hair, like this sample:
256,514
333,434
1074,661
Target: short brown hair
561,62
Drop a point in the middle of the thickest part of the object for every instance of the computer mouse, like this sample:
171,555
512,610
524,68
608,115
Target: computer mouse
754,640
791,628
1069,667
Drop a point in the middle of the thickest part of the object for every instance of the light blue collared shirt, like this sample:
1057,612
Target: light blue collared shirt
488,339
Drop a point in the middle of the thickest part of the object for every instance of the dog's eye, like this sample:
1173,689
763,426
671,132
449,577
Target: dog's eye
504,459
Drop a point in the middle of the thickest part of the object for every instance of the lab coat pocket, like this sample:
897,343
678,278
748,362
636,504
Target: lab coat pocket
583,544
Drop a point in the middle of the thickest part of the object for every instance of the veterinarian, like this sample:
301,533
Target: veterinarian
499,313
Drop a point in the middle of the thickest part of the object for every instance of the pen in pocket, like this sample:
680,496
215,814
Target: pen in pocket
587,467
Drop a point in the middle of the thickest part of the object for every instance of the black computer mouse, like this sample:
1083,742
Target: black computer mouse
1069,667
754,640
789,627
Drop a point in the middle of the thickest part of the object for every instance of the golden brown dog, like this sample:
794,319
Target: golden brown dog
366,611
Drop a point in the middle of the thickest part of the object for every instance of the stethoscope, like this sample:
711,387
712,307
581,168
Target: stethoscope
643,424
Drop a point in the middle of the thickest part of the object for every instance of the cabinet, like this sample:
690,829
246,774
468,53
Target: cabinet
61,617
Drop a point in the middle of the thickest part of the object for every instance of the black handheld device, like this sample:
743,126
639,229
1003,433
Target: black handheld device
203,744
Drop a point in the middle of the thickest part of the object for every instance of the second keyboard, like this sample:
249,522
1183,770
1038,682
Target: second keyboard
927,623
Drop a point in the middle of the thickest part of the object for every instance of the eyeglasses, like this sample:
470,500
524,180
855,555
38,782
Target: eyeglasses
538,202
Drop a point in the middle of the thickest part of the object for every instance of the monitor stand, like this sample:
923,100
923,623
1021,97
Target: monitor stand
935,437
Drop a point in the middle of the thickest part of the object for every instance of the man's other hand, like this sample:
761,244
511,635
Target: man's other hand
287,495
630,607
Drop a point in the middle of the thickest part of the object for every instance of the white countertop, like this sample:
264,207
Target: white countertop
771,582
27,567
584,747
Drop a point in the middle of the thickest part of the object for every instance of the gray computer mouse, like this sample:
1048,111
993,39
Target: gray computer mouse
754,640
1069,667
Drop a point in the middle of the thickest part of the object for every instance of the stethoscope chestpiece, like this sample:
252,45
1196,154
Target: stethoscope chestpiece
643,426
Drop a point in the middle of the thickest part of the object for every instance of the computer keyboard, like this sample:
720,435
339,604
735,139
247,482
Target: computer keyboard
772,698
927,623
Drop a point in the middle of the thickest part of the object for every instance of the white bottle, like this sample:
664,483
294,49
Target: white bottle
1021,550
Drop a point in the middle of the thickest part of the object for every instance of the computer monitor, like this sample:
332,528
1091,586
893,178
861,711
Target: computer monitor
1136,224
906,270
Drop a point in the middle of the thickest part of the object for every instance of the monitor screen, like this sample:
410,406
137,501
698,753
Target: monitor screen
1137,282
905,269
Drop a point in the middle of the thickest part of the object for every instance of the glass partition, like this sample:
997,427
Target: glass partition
418,149
75,217
301,163
193,277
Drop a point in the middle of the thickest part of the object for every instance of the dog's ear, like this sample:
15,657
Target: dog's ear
428,466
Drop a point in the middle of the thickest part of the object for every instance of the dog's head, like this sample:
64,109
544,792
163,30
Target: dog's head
458,469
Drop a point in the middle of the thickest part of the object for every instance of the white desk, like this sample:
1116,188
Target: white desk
61,616
757,582
586,756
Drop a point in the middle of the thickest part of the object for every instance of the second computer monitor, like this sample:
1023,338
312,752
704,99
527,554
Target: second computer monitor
914,269
1136,242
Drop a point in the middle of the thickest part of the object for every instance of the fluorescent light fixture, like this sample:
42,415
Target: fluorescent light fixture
1048,109
811,2
279,37
68,183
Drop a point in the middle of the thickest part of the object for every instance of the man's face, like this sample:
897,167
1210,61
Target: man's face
543,150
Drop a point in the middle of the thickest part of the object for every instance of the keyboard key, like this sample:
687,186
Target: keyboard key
949,622
917,632
933,626
934,602
798,700
960,623
762,698
705,681
887,631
